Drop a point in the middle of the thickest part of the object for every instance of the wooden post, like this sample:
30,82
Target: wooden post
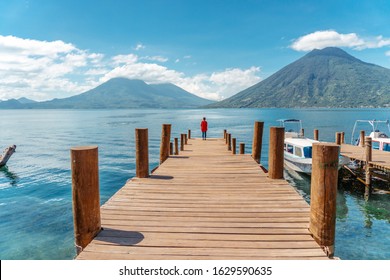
189,134
276,153
85,193
171,148
242,148
368,158
234,146
165,140
323,195
185,139
227,138
141,153
224,134
316,134
361,139
257,141
176,146
338,138
229,141
343,137
182,141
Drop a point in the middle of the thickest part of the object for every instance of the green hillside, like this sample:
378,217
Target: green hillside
119,93
322,78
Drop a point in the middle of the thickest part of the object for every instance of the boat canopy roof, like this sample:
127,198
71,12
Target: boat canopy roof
301,142
289,120
374,125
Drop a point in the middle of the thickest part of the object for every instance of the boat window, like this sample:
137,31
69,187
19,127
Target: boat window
290,148
298,151
386,147
375,145
307,151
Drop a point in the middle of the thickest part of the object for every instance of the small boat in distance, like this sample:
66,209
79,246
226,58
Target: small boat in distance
7,154
298,149
379,132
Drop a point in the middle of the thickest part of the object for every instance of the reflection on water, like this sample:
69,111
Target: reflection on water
11,176
358,222
35,189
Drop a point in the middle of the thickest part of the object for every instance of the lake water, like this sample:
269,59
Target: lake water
35,187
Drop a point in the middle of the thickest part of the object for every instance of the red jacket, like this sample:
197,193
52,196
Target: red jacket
203,126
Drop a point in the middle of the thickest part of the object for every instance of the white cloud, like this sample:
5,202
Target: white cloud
40,69
139,47
125,59
387,53
157,58
44,70
28,47
216,86
331,38
224,84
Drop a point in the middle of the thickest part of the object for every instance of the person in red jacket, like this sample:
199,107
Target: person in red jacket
203,128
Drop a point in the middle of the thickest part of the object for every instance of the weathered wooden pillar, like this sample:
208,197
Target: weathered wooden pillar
189,134
234,146
165,140
242,148
85,193
227,138
257,141
361,139
171,148
185,139
323,195
338,138
141,153
316,134
182,142
224,134
368,158
229,141
276,153
343,137
176,146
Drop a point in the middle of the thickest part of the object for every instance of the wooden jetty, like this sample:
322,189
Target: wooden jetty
380,159
205,203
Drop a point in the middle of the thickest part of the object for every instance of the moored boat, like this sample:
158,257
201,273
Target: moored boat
379,131
298,149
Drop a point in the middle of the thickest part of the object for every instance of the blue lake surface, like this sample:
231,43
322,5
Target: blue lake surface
35,187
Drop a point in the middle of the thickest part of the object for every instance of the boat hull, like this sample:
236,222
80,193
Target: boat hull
298,164
304,165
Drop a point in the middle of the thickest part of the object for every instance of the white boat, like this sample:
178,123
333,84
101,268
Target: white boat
379,132
298,149
6,155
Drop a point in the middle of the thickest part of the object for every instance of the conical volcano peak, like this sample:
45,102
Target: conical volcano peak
322,78
330,51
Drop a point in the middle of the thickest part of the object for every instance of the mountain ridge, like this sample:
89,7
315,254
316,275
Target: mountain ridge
322,78
119,93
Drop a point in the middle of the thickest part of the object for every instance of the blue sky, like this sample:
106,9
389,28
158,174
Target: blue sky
214,48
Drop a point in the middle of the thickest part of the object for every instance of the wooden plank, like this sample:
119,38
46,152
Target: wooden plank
380,159
221,252
205,204
124,256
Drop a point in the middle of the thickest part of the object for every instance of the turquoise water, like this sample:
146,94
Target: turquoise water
35,186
